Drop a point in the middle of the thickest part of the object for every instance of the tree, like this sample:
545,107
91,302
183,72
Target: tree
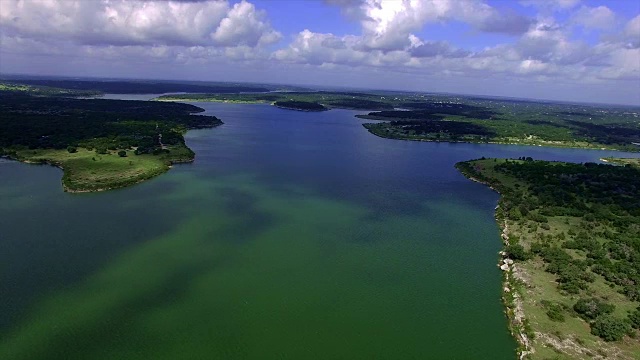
590,309
610,328
634,317
122,153
72,149
517,252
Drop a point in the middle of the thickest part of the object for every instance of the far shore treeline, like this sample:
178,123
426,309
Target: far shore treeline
67,115
436,117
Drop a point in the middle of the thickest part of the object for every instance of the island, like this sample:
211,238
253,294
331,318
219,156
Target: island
300,105
571,257
99,144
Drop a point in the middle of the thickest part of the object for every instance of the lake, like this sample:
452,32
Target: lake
292,236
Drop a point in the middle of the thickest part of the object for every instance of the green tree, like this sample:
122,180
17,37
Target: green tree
610,328
122,153
634,318
517,252
591,308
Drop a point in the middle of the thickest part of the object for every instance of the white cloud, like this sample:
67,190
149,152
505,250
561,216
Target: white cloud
215,35
545,52
117,22
600,17
633,27
244,26
532,67
436,48
316,48
388,24
624,63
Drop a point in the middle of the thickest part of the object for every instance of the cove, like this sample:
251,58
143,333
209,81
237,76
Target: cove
293,235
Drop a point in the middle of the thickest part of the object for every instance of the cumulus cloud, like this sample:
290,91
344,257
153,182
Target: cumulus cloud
318,48
509,23
243,25
633,27
388,24
392,39
437,48
545,49
600,17
113,22
632,33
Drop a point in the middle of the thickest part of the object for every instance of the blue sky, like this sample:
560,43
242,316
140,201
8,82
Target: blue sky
575,50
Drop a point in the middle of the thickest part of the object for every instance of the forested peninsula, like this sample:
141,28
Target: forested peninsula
572,255
99,144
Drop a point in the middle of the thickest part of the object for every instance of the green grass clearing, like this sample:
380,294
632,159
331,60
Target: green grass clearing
86,170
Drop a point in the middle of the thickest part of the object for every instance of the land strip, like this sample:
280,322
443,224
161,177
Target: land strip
572,255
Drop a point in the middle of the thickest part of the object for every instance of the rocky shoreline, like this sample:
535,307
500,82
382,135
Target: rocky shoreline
512,282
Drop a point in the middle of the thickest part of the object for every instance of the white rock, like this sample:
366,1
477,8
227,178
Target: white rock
504,267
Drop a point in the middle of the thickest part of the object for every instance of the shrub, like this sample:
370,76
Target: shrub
72,149
517,252
122,153
592,308
555,313
538,218
634,318
610,328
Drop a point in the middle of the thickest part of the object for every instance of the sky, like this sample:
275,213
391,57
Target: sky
568,50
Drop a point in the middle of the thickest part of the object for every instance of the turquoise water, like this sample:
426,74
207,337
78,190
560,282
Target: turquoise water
293,236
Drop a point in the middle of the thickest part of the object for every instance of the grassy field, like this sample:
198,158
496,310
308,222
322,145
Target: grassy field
555,329
86,170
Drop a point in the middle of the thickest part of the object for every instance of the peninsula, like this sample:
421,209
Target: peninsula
99,144
572,255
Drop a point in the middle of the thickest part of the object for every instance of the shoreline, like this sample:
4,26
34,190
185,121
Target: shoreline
67,189
168,164
557,146
530,293
296,109
211,100
327,106
512,281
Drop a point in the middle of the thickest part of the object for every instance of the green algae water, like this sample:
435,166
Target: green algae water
293,236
